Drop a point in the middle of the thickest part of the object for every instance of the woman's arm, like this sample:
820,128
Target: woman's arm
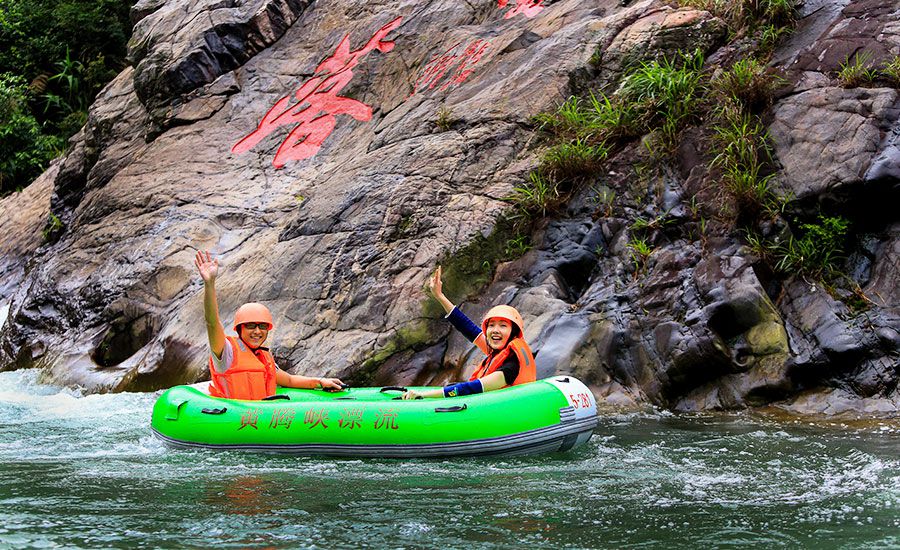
493,381
307,382
413,394
209,270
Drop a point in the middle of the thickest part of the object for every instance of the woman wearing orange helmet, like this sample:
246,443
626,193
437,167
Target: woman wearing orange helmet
240,367
508,361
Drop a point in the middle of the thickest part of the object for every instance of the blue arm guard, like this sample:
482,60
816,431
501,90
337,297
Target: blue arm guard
463,388
463,324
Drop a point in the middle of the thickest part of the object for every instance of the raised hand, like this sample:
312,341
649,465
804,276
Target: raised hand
207,266
436,287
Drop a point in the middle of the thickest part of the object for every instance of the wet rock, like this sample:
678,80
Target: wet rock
646,31
23,225
836,402
179,46
829,138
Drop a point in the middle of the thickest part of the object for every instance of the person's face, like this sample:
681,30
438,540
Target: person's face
254,334
498,331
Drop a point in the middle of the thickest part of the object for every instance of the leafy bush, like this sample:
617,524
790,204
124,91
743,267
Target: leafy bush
35,34
24,149
37,38
817,251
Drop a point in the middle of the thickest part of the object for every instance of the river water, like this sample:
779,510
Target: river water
84,472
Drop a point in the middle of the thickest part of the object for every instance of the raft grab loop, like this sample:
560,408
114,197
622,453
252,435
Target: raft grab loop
277,396
453,409
392,388
563,380
173,408
214,411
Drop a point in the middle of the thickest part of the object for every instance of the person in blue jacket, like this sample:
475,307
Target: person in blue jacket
508,359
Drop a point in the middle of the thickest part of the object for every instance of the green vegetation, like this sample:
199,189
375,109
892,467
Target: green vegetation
818,249
444,119
743,152
891,71
667,94
769,35
570,160
24,149
604,198
815,254
858,72
535,197
748,83
661,96
660,99
740,14
413,336
640,251
518,246
468,270
52,227
52,87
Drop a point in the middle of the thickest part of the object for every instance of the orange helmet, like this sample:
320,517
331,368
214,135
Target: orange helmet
504,312
252,313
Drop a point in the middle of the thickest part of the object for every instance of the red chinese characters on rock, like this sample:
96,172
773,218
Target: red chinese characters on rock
317,103
528,8
461,63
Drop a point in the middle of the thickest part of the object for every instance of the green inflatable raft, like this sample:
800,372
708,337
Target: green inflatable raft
554,414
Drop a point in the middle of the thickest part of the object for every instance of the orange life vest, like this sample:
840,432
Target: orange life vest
495,359
250,376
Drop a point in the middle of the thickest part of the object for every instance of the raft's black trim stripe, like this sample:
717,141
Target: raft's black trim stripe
550,438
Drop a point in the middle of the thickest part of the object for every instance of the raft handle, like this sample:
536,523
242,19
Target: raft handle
563,380
214,411
392,388
453,409
277,396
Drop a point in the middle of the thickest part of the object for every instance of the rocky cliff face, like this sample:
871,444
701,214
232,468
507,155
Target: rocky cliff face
333,152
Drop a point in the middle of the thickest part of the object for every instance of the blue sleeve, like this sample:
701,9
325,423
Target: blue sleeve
463,388
463,324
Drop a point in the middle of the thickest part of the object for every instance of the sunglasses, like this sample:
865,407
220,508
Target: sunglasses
252,326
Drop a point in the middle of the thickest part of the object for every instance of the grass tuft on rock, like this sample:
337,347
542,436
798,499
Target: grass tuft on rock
747,82
858,72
